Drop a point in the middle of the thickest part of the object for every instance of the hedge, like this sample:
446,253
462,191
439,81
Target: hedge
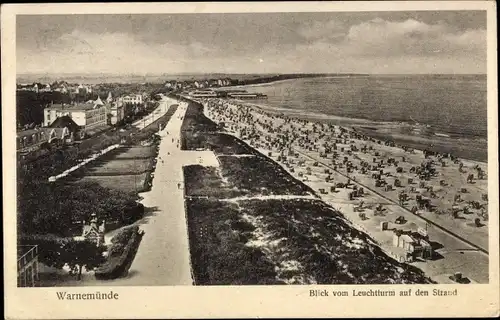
121,254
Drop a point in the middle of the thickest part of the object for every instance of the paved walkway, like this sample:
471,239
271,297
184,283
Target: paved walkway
160,111
163,257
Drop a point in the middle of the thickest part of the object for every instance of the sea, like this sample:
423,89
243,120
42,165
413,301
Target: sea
441,110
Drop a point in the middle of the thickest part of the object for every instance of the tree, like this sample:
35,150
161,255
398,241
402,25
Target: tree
80,254
50,248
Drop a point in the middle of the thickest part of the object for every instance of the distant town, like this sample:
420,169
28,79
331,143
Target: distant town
48,111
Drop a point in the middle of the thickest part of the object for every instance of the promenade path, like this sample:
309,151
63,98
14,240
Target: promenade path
160,111
163,257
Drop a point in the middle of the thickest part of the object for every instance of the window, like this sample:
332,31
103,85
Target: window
48,116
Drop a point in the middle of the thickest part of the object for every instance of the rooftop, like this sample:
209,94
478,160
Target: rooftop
29,132
65,121
74,106
47,130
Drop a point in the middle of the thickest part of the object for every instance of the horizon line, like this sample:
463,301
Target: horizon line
227,73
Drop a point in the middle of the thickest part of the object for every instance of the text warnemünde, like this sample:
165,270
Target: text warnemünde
87,296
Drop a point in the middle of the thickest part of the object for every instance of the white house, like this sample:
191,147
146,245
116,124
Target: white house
134,99
86,115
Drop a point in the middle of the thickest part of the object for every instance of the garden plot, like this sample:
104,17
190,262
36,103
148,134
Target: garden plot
123,183
121,166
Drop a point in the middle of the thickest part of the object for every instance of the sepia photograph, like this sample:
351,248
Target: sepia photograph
216,149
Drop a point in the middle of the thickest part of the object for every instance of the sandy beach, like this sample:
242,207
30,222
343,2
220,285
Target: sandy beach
401,132
403,187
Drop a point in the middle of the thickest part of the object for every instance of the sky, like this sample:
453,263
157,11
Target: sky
322,42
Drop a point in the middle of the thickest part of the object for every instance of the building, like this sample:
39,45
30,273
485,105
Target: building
133,99
27,266
93,232
203,94
246,95
62,88
109,99
74,130
46,88
82,89
32,139
27,87
116,113
87,115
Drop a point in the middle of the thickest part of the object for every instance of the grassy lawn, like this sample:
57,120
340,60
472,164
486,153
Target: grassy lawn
123,183
249,176
219,256
120,166
259,175
136,152
207,182
195,121
256,242
219,143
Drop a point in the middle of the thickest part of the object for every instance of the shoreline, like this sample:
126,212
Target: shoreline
438,131
464,147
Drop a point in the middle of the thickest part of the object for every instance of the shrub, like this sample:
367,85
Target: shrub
121,254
